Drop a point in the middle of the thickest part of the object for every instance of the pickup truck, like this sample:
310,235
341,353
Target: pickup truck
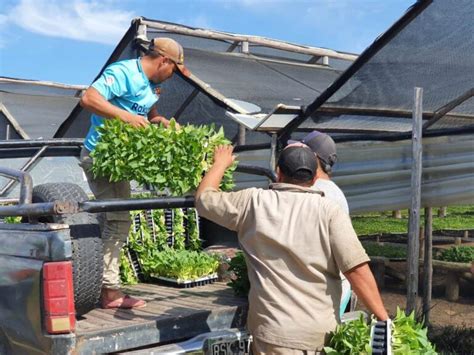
51,275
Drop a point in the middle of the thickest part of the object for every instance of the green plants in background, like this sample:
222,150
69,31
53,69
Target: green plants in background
240,281
388,251
170,159
457,218
350,338
457,254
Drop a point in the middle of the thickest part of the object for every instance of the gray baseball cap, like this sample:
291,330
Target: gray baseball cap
322,145
298,163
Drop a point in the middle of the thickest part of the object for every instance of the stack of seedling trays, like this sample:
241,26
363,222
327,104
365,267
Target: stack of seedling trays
145,221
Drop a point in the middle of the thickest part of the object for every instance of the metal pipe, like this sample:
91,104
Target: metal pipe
257,170
95,206
441,112
39,209
26,183
28,143
24,168
251,147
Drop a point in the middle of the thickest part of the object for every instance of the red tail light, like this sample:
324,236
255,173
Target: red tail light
58,296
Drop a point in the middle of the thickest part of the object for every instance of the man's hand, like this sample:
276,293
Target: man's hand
223,156
135,120
223,159
166,123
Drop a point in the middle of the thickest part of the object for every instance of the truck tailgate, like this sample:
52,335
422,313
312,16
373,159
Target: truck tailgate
171,315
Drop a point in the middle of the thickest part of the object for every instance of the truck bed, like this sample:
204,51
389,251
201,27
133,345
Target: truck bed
171,315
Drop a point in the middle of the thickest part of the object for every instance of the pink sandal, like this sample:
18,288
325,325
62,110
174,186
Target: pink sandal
125,302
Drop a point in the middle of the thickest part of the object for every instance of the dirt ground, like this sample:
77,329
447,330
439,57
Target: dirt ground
458,313
443,312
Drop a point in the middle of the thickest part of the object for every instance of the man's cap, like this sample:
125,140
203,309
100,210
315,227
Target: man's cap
322,145
171,49
298,163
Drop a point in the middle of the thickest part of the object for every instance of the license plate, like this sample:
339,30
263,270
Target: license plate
228,346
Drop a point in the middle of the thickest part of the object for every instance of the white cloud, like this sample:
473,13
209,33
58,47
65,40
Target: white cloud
83,20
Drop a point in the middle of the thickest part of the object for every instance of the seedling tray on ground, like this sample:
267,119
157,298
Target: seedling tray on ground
168,281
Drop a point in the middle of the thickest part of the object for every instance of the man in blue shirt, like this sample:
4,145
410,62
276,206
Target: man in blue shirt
126,91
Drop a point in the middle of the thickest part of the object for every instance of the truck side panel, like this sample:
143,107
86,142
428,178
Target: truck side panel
23,250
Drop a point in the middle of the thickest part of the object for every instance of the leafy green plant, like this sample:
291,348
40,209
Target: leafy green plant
12,219
127,276
193,230
457,254
178,229
240,280
168,158
409,336
182,264
388,251
350,338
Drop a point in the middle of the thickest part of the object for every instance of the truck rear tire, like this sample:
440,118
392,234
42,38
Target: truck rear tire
87,248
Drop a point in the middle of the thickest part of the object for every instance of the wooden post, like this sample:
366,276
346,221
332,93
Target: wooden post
422,242
397,214
241,136
442,212
428,265
457,241
465,235
273,151
414,220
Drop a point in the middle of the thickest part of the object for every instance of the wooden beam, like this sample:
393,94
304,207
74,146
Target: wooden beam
267,42
414,221
428,265
441,112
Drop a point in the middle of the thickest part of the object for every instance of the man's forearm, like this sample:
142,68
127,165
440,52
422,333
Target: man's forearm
212,178
96,103
365,287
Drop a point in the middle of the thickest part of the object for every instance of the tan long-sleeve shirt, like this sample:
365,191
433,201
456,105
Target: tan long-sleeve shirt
295,242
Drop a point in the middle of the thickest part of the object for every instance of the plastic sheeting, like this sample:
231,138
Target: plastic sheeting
376,176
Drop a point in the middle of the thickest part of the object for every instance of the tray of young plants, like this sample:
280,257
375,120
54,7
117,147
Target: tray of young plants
156,252
169,159
399,336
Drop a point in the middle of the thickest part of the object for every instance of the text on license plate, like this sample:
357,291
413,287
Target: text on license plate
236,347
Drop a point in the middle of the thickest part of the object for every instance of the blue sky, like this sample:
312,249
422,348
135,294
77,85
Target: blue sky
68,41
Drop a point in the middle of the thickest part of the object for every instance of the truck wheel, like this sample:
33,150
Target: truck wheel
87,248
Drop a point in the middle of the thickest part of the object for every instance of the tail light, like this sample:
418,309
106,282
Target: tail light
58,296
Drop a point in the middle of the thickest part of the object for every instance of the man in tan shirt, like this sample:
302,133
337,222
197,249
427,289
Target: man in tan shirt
295,243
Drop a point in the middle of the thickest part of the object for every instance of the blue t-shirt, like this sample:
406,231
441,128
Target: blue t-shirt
125,85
